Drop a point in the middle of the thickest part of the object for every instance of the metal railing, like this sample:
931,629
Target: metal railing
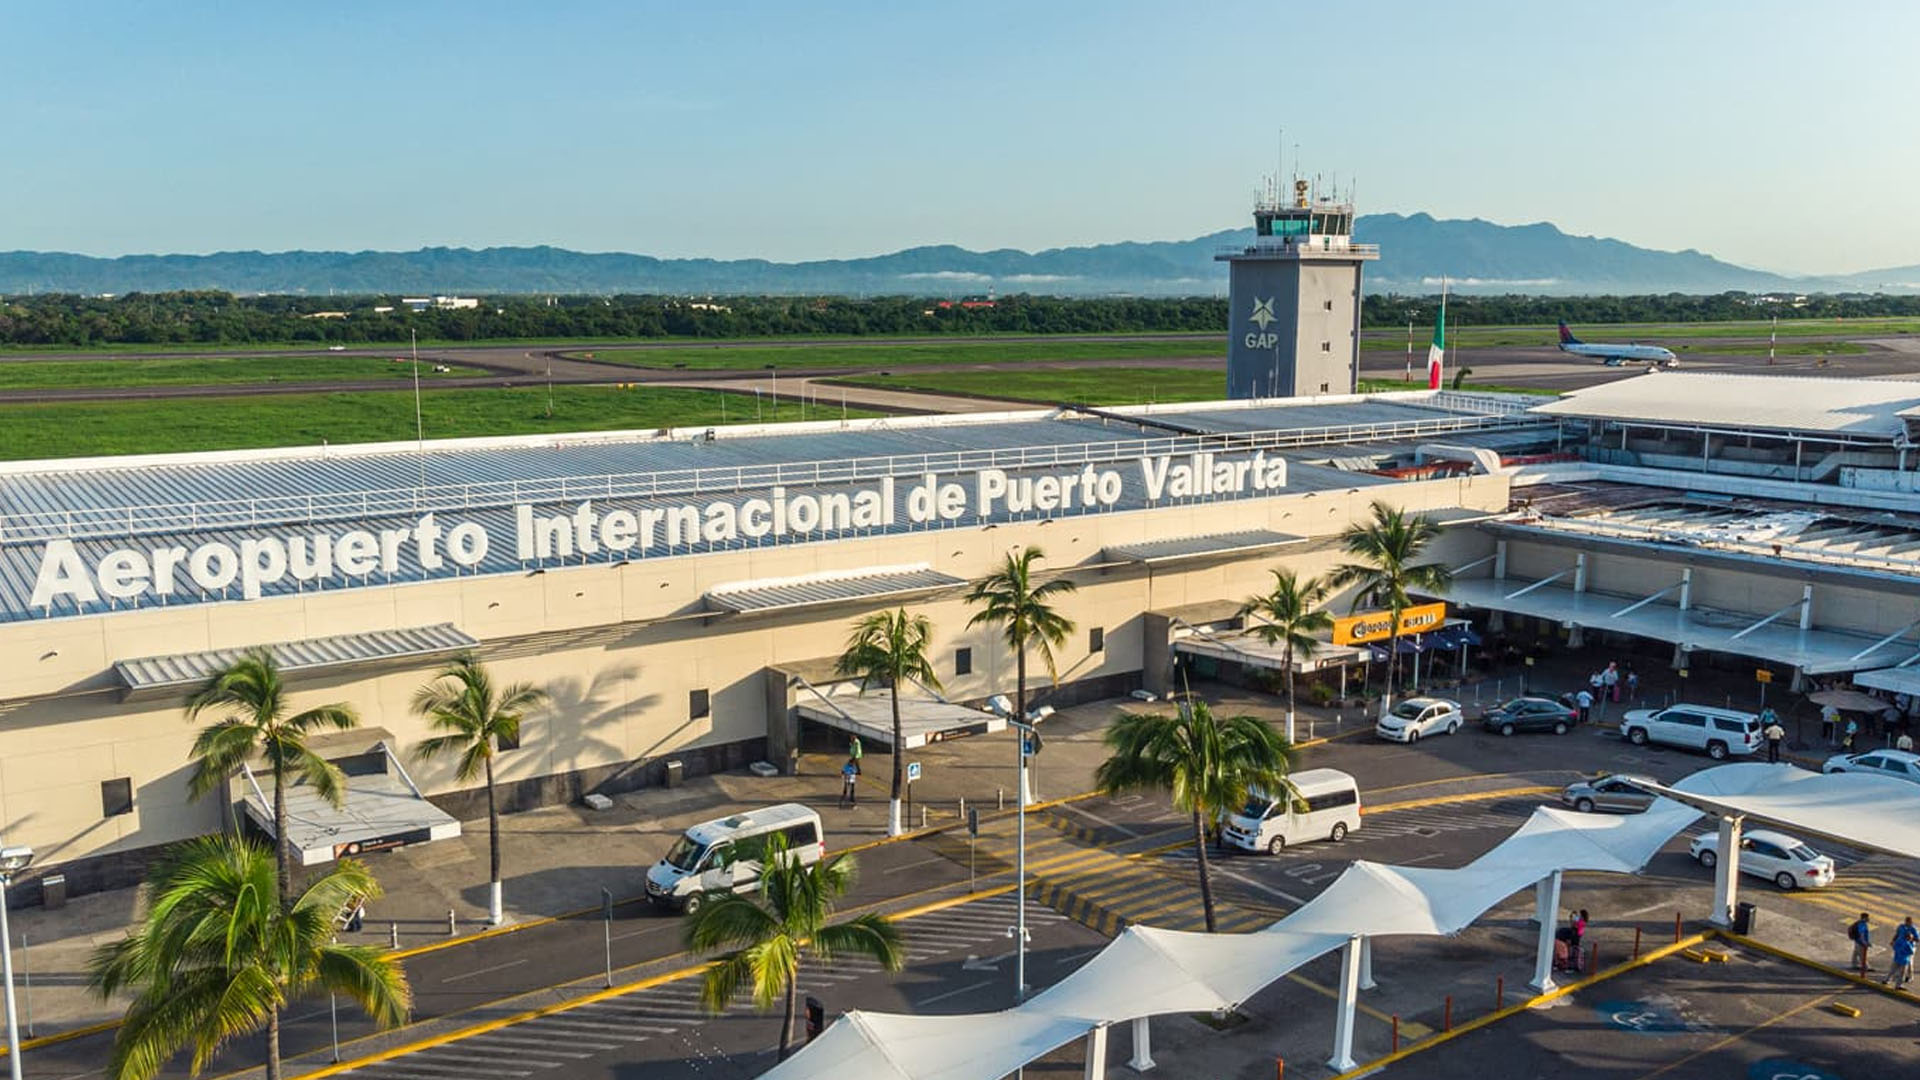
1273,246
131,520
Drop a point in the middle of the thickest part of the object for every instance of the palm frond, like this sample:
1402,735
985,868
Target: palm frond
871,935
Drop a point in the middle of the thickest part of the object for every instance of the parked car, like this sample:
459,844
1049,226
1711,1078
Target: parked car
1607,793
1780,858
1530,714
1722,733
1415,718
1898,763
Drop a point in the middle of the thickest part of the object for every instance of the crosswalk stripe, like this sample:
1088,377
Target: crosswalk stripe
565,1021
406,1067
515,1044
528,1057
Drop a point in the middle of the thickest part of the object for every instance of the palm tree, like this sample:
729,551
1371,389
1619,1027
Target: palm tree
770,934
891,647
1010,600
214,957
476,718
1290,616
1207,764
257,724
1387,573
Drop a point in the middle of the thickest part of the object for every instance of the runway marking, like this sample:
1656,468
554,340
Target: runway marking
953,993
484,971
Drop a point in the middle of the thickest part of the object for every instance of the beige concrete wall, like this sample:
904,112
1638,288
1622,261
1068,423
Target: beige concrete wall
620,685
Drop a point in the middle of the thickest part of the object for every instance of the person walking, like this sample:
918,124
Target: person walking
1633,684
849,778
1846,741
1905,938
1829,722
1775,735
1610,680
1904,742
1584,699
855,751
1861,934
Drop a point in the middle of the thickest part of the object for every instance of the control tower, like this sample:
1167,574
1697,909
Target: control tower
1293,314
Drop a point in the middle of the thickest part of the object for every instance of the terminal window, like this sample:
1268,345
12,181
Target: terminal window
116,797
697,705
1097,639
503,741
1326,346
963,661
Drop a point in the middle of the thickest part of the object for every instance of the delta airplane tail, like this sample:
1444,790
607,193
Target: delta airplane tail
1566,335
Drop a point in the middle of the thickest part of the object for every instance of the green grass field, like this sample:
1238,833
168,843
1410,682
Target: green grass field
729,356
1376,339
1086,386
209,371
87,428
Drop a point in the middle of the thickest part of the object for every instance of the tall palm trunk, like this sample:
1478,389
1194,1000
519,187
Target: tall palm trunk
273,1044
1286,668
894,825
1020,711
1206,882
786,1021
281,850
494,914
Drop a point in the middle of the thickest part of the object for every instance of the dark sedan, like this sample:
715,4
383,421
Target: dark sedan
1531,714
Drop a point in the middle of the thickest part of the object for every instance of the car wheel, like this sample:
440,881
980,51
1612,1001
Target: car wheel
1453,728
1339,832
1785,880
1585,806
1637,736
693,903
1276,845
1717,751
1506,729
1560,728
1707,858
1413,736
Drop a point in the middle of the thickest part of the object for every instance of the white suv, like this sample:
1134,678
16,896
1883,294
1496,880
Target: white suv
1414,718
1722,733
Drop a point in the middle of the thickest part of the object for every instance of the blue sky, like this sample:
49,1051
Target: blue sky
1772,134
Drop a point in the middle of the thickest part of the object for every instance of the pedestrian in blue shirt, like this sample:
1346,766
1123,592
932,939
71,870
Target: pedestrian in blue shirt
1905,938
1861,934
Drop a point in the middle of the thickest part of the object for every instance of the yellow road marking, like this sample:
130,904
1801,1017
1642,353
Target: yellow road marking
1738,1035
1478,796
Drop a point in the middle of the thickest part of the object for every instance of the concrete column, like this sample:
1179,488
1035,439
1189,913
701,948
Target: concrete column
1096,1068
1799,684
1500,560
1806,606
1576,636
1546,897
783,724
1366,964
1348,1001
1726,872
1580,572
1156,649
1686,588
1142,1059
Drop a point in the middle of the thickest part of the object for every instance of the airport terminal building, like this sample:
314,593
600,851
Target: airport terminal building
682,593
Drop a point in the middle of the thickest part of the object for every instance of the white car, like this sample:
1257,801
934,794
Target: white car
1896,763
1415,718
1780,858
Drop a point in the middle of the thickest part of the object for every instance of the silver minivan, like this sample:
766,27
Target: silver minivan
1722,733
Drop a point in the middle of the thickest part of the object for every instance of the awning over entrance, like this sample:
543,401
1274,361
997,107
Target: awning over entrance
870,716
1445,639
1246,648
786,594
1195,547
155,674
1898,680
1815,650
382,809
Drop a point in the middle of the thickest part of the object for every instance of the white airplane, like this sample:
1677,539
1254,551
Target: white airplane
1615,355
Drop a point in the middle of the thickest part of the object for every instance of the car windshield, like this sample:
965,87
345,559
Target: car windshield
1257,807
1408,710
686,854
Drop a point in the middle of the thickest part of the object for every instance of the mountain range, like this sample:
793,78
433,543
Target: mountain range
1416,250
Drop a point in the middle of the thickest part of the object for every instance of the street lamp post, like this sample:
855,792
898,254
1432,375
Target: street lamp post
1026,731
12,861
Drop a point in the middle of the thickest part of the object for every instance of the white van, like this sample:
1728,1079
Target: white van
1325,806
723,856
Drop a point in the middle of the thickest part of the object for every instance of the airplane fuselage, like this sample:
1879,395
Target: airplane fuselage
1650,353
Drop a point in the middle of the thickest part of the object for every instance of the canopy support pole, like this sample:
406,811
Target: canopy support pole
1648,599
1726,872
1366,964
1349,1000
1096,1067
1802,605
1525,589
1142,1044
1546,901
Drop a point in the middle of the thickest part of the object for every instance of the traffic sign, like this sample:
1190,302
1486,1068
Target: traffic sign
913,771
1762,675
973,821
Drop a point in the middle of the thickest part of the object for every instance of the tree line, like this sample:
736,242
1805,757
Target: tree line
207,317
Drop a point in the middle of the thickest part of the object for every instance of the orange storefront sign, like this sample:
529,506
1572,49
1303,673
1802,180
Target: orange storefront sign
1378,625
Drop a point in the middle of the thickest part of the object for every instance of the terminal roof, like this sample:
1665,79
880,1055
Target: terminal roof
1870,409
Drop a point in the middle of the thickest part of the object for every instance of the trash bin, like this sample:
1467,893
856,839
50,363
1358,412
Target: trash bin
53,891
676,772
1743,919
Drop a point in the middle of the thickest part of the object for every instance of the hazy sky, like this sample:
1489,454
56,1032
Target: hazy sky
1777,135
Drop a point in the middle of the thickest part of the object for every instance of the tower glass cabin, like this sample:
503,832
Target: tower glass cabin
1294,300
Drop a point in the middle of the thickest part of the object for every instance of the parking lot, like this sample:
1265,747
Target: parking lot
1754,1017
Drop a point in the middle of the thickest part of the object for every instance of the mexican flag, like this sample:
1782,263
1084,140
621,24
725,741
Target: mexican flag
1437,351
